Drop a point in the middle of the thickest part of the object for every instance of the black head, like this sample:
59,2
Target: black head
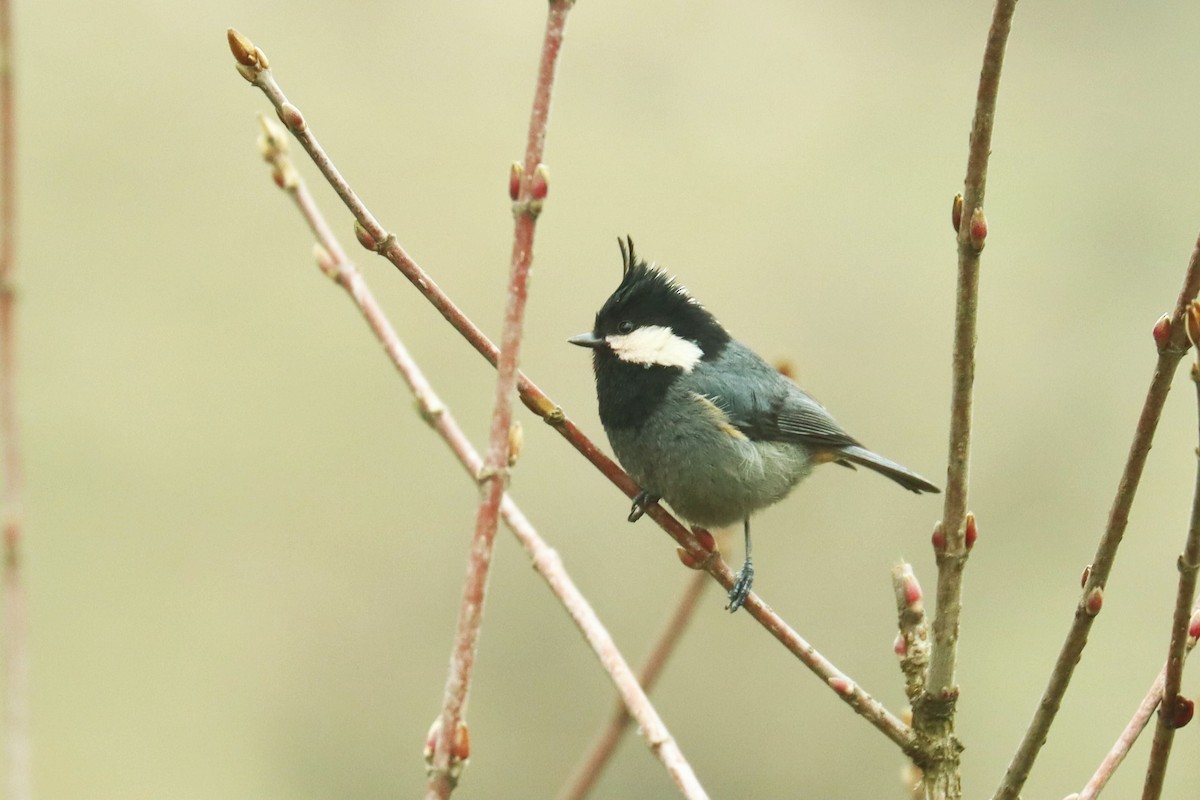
651,320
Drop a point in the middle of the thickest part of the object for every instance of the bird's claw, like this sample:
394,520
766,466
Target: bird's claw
741,586
640,503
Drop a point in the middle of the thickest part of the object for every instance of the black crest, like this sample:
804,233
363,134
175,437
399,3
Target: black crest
649,296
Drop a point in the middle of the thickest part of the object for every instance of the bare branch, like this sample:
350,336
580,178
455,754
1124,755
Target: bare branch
254,67
1173,705
1137,724
1171,339
933,714
593,764
333,261
17,743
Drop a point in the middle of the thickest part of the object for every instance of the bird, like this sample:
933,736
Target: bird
700,420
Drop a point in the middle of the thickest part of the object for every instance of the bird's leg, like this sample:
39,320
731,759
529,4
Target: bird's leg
640,503
745,577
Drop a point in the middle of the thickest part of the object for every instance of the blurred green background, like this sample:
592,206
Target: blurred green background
245,550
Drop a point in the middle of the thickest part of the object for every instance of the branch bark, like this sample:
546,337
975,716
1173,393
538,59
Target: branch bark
1171,340
255,68
332,259
933,713
590,769
1189,564
16,721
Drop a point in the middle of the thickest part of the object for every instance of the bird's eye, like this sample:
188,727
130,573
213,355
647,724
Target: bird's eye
625,327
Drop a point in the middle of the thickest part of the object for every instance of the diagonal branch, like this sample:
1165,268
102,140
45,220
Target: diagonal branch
1137,723
1169,711
254,67
593,764
1171,339
333,261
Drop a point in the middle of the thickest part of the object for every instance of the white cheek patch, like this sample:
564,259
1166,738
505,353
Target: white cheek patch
655,346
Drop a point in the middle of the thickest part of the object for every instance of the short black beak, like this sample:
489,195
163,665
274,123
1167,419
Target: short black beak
586,340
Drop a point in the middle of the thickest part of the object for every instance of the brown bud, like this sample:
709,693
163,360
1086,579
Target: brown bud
972,532
686,559
1083,579
1162,331
540,185
1094,602
516,440
460,748
515,173
291,116
364,236
706,539
1193,321
1182,714
979,228
244,51
956,212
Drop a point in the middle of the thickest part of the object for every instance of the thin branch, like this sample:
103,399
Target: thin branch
1189,564
1171,340
17,743
593,764
494,475
912,641
933,715
254,67
333,261
1136,725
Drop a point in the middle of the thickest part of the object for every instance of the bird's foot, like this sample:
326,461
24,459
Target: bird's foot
741,587
640,503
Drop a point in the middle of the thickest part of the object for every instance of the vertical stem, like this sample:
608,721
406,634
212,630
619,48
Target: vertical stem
495,471
934,712
15,622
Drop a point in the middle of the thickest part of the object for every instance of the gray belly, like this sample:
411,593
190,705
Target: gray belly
709,476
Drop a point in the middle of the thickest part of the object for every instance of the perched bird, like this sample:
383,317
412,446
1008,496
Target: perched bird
698,419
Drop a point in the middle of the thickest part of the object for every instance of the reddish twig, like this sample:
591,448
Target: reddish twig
1136,725
593,764
1171,340
254,67
933,714
333,261
494,474
17,746
1189,564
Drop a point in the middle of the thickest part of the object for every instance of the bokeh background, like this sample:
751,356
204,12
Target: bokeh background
245,549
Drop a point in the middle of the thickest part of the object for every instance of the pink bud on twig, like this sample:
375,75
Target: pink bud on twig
515,173
540,185
290,115
979,229
938,539
972,532
364,236
1162,331
1094,602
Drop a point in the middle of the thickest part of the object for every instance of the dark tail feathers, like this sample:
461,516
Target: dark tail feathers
901,475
